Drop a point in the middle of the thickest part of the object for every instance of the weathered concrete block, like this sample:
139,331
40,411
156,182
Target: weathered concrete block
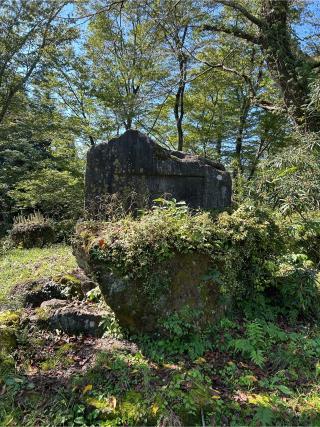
133,162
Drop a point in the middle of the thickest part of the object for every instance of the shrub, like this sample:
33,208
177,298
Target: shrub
32,230
297,285
64,230
304,232
290,181
57,193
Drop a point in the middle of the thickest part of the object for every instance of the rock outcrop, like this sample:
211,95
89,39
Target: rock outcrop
135,163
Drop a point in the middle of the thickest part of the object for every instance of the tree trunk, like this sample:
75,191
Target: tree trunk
219,149
179,102
289,66
286,62
92,142
239,138
128,123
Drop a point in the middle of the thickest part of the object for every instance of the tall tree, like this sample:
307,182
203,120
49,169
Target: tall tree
268,25
31,31
124,55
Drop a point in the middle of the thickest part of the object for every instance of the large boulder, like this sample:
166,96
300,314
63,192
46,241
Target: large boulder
154,267
135,163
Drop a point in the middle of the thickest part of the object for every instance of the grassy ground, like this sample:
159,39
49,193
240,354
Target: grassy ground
243,372
20,265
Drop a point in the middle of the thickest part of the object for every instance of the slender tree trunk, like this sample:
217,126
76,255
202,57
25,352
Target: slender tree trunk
239,138
92,141
263,146
179,102
219,148
128,123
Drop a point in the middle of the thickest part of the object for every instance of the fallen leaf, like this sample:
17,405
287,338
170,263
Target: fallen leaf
200,361
154,409
87,388
113,402
101,243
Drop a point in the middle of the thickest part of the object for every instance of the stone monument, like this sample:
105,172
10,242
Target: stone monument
134,162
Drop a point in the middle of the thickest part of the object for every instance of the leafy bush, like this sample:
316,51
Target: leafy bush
183,334
64,230
304,232
297,284
57,193
290,181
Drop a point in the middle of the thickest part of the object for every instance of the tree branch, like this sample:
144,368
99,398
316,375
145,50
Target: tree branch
236,6
233,31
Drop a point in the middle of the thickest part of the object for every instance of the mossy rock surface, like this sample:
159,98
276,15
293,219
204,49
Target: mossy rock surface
141,304
72,285
182,281
168,259
33,234
9,322
73,318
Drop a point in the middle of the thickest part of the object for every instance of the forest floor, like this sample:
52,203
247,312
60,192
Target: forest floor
244,373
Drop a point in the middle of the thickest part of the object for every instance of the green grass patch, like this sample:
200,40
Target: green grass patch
20,265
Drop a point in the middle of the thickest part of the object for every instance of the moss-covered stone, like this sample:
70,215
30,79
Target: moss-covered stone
9,321
31,235
151,267
73,318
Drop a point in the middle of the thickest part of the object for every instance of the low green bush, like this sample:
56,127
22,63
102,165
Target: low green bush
304,232
64,230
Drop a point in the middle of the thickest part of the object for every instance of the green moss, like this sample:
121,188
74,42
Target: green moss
61,359
69,279
9,321
71,284
9,318
8,339
42,314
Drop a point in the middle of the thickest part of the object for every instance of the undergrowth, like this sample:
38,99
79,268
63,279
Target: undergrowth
253,373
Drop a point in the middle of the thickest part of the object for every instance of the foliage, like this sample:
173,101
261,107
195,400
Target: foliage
181,334
128,80
40,167
305,234
289,181
31,37
298,288
58,194
256,373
